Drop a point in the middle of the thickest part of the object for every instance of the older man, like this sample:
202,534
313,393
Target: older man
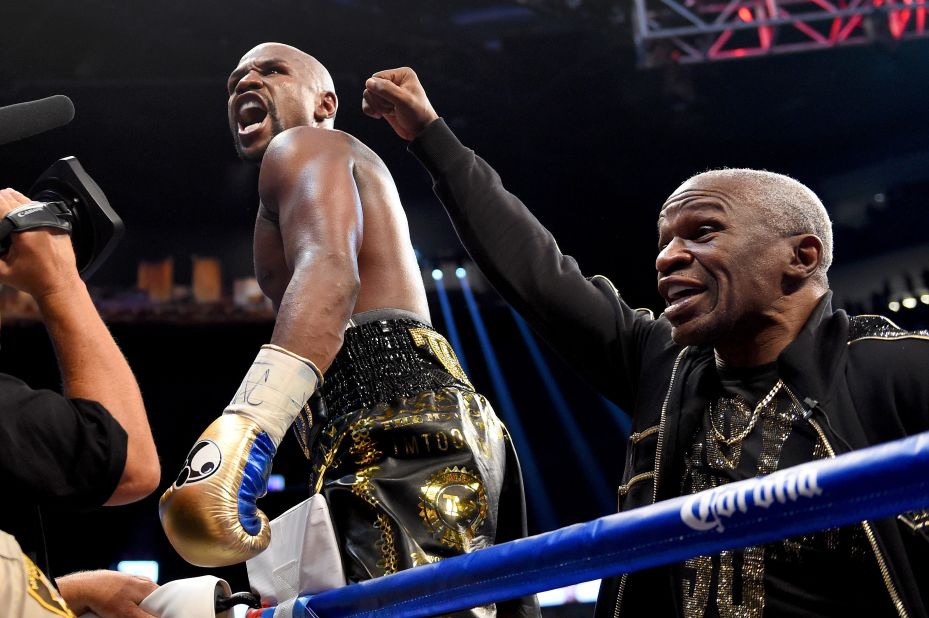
414,465
748,370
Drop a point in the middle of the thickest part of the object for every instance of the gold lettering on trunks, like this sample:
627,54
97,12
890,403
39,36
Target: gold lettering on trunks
426,337
411,446
425,442
417,419
421,558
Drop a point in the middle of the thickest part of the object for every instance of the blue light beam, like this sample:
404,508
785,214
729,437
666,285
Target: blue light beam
450,326
592,471
535,490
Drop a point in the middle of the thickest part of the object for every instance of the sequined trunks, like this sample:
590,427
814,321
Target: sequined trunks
414,464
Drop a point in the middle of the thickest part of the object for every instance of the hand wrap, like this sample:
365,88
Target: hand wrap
210,512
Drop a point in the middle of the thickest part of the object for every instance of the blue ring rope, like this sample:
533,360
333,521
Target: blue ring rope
872,483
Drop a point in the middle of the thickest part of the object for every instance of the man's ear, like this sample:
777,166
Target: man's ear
806,255
326,106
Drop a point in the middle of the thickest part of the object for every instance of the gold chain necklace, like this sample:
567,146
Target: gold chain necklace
756,414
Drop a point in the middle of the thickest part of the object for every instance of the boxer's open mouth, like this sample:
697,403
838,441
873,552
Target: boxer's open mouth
251,116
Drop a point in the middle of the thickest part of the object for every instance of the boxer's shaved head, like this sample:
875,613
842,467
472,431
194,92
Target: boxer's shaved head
310,70
273,88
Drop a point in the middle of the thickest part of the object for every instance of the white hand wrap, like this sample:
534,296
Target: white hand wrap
274,390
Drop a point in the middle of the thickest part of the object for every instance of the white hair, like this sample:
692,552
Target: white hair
789,206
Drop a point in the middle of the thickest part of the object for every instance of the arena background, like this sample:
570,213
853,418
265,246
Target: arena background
591,128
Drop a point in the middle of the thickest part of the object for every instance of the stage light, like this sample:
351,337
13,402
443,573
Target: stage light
142,568
894,306
450,326
587,592
276,482
924,299
909,302
437,274
460,272
554,598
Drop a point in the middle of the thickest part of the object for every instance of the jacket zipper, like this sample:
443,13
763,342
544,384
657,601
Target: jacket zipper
869,532
661,428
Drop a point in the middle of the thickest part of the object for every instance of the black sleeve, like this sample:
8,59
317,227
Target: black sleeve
584,320
888,383
52,449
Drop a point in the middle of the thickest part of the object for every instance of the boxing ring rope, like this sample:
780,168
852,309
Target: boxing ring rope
880,481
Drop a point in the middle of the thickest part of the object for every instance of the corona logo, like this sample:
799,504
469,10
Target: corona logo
707,510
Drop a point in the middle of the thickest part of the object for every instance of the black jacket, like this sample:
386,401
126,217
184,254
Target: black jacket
866,376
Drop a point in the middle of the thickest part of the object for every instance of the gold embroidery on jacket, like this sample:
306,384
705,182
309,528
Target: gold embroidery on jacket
776,425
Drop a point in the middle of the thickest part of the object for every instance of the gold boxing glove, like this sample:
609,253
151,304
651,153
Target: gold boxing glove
210,512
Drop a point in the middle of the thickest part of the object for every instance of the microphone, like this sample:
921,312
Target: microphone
33,117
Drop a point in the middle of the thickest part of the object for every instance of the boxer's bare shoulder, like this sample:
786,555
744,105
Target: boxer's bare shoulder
325,162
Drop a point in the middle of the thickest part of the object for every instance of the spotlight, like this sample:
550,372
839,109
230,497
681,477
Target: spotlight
437,274
894,306
909,302
142,568
276,482
460,272
587,592
924,299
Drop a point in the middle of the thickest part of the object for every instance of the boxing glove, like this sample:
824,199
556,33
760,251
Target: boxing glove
210,512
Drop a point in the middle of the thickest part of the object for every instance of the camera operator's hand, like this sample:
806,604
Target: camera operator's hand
40,262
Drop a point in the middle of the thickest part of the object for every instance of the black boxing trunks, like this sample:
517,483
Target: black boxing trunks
415,465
